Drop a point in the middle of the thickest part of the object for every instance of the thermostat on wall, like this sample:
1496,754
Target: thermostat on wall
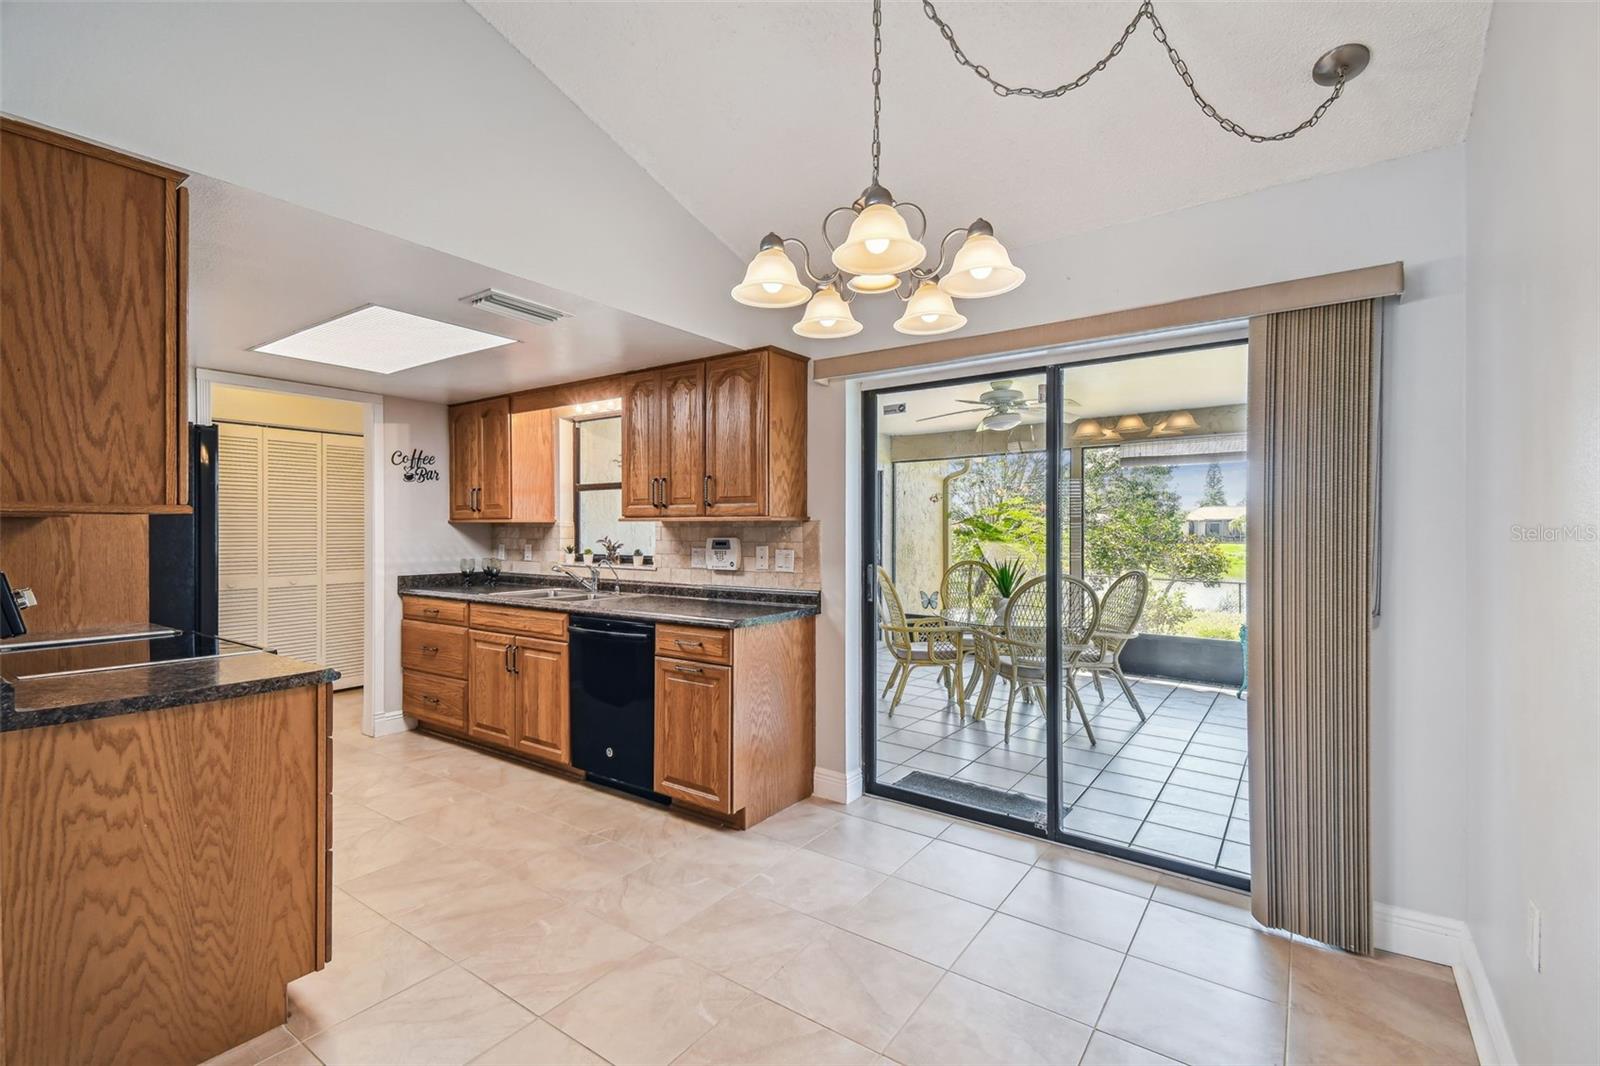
722,553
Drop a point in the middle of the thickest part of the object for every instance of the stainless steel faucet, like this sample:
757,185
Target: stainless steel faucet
591,583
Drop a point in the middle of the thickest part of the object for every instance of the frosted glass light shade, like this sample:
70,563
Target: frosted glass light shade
872,283
879,243
929,311
827,316
1001,422
1131,424
981,268
1181,422
1088,429
771,281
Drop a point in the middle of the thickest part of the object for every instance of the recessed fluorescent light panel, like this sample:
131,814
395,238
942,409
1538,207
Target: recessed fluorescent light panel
382,340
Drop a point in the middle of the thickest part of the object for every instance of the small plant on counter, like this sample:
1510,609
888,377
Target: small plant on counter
588,555
612,547
569,554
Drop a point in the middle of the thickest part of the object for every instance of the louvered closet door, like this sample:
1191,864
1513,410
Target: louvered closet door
240,600
293,508
344,493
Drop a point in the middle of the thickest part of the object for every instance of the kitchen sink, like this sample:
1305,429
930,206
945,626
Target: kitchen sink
544,594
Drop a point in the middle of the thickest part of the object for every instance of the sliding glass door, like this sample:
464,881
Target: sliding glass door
1056,620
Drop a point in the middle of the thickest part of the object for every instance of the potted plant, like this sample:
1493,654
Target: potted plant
612,548
1008,576
569,554
588,555
638,557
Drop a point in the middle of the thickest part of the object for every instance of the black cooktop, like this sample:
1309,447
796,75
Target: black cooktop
110,649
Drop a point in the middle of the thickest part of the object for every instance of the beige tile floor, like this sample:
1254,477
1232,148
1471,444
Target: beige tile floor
486,912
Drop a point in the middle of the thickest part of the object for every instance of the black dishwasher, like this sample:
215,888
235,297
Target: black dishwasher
612,683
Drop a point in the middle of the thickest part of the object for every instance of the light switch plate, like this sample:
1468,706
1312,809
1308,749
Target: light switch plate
697,558
783,560
527,553
499,551
761,557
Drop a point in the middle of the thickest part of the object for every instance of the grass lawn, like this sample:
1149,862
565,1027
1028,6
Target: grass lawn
1235,554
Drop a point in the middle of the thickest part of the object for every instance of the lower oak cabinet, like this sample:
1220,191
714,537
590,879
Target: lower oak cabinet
694,726
734,708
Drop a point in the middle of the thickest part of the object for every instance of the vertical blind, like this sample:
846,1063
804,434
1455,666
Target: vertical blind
1311,540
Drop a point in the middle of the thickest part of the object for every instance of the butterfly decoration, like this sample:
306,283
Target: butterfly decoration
930,600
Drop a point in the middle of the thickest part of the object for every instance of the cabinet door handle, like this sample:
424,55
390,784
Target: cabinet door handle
509,649
664,483
705,491
688,669
689,643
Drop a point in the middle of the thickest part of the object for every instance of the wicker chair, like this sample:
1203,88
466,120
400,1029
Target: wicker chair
1120,609
918,642
968,585
1018,654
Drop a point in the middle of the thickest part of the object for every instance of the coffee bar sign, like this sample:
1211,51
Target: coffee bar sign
416,465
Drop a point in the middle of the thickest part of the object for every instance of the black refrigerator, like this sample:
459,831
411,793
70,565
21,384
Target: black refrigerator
183,547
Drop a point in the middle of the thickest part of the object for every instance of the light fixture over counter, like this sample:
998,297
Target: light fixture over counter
879,253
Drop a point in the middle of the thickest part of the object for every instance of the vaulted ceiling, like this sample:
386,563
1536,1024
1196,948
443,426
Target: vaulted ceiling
756,116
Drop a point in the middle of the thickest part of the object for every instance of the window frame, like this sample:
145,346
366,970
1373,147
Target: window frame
579,487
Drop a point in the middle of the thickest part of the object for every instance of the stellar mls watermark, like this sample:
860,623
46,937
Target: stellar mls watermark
1568,533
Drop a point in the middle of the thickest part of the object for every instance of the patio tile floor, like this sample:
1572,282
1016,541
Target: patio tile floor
1174,785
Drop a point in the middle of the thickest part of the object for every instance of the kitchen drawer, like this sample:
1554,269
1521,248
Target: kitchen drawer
695,642
433,648
437,700
551,625
422,609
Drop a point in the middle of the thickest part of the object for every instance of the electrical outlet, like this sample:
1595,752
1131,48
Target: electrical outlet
783,560
761,557
499,551
527,553
697,558
1533,935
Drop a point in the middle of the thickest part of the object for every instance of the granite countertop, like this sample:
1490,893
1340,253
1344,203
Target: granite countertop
718,607
55,699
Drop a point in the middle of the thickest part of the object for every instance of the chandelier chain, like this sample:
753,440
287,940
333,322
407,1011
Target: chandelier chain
877,84
1146,11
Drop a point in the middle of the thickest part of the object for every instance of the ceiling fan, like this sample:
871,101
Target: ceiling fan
1006,406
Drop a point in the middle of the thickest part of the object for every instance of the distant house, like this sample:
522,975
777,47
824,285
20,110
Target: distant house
1215,523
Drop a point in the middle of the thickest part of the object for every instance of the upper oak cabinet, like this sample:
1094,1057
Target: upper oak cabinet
721,438
91,329
502,463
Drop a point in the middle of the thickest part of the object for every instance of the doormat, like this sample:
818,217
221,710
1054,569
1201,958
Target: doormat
972,794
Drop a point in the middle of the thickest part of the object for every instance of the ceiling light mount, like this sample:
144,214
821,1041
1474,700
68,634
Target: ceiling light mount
1342,64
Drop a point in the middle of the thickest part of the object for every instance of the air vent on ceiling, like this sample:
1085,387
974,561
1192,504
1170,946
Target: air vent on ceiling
503,303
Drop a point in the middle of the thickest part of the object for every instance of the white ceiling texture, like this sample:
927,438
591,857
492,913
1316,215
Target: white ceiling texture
756,116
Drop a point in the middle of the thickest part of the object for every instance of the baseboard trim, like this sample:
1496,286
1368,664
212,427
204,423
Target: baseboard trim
1421,936
1448,942
834,786
388,723
1488,1025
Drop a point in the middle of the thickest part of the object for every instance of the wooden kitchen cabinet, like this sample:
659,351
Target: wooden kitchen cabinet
694,723
492,688
542,723
502,463
92,263
721,437
735,717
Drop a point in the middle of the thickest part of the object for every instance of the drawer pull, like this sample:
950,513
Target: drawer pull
430,649
688,669
430,610
430,699
689,643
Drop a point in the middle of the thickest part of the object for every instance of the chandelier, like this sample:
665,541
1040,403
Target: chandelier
879,254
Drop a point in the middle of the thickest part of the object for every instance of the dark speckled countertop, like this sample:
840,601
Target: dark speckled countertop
720,607
55,699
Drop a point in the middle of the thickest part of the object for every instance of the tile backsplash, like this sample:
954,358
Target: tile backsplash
675,542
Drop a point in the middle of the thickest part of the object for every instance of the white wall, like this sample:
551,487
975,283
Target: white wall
1409,209
416,119
417,535
1533,695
